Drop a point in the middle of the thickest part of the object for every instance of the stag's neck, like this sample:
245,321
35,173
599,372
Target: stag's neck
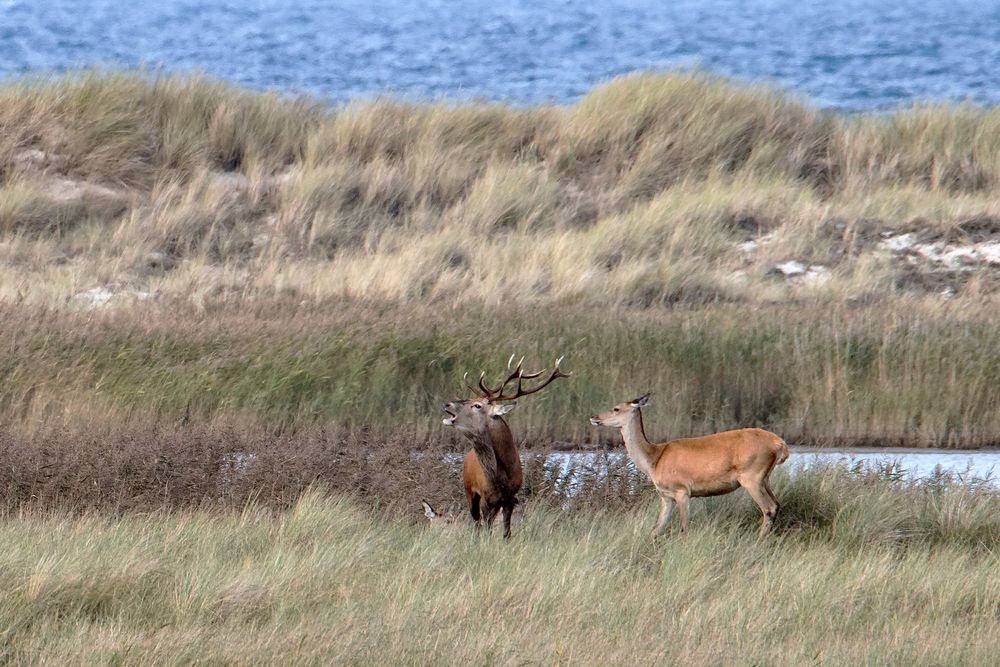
642,452
498,456
501,437
482,445
497,453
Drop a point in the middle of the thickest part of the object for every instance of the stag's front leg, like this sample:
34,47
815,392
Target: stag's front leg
474,509
508,512
491,514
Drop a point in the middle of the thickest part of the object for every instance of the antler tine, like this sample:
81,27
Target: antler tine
555,374
531,376
515,372
486,391
465,379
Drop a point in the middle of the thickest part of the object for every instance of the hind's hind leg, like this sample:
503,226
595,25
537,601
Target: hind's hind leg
774,499
768,507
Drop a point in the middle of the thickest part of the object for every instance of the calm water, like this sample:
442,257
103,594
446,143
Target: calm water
915,465
849,54
977,467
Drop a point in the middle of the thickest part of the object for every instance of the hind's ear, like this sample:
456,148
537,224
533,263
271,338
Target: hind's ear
428,510
640,402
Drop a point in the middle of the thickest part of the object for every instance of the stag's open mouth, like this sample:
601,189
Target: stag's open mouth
450,419
595,421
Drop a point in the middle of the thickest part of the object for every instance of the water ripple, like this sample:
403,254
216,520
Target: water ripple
851,54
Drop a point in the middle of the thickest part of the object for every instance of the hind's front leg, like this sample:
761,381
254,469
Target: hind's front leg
666,506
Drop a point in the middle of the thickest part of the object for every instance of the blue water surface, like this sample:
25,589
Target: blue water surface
844,54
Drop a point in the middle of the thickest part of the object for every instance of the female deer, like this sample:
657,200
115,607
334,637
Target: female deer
709,465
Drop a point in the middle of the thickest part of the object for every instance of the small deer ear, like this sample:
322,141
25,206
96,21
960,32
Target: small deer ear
428,510
501,409
640,402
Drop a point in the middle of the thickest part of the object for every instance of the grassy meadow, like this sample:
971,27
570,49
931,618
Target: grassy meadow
176,248
862,570
230,317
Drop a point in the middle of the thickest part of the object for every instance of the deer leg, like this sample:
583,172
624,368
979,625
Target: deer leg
666,505
681,498
491,514
474,509
774,499
508,512
768,507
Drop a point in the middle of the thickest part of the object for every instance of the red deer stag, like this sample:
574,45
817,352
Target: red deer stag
710,465
492,469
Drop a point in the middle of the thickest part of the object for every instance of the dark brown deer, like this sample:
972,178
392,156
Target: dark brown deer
492,469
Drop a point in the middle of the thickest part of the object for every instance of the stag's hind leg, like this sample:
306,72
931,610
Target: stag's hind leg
490,514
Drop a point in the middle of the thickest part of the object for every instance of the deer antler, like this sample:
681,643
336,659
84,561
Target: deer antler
514,372
482,392
521,376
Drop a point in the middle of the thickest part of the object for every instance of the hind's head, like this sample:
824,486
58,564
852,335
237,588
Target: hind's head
621,414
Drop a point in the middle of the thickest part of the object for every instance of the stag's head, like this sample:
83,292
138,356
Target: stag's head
621,414
473,415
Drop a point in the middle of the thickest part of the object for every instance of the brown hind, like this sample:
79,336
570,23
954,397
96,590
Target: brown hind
709,465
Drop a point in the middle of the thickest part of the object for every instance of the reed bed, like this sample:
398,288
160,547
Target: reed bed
919,375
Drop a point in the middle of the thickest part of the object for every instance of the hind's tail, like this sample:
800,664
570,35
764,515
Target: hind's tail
781,449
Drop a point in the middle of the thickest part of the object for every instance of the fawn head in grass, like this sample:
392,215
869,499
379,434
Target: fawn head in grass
435,518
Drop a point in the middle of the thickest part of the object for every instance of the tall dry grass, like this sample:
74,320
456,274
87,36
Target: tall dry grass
329,582
642,192
271,259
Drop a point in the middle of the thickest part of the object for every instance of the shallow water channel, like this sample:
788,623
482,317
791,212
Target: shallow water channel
970,466
566,468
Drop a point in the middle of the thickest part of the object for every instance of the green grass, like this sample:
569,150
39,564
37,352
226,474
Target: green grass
857,375
859,571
